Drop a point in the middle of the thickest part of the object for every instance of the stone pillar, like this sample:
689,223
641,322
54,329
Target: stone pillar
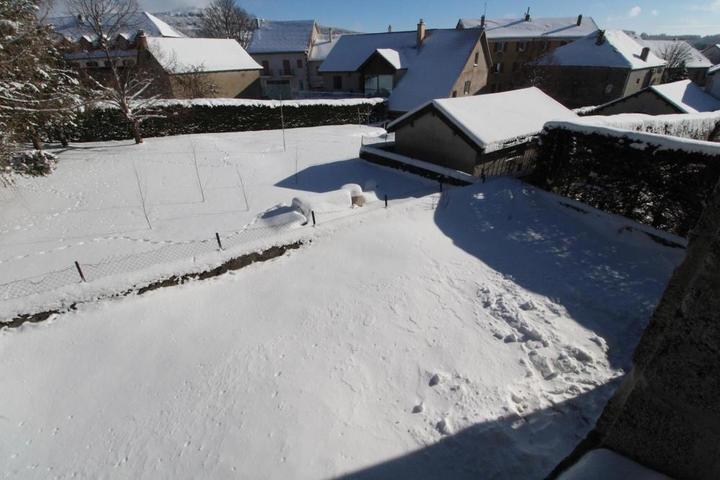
666,414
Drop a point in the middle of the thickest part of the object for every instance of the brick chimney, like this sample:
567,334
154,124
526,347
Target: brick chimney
644,54
141,40
420,33
579,20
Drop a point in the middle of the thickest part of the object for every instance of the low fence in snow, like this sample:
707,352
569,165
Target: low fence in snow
179,117
654,179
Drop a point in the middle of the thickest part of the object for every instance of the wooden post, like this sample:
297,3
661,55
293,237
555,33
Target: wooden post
82,277
217,237
386,200
312,212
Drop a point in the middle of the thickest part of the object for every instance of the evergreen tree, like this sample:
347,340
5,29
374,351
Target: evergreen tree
39,95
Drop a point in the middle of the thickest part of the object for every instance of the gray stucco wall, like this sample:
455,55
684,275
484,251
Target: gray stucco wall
430,139
646,102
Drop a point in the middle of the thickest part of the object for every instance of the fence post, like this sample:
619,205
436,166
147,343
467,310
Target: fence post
386,200
217,237
312,212
82,277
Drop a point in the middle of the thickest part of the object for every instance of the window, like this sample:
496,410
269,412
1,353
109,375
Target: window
466,88
521,46
299,63
515,67
286,68
302,86
500,47
266,67
454,94
337,82
498,67
378,85
477,58
91,64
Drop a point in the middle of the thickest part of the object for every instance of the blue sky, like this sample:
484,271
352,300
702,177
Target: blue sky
701,17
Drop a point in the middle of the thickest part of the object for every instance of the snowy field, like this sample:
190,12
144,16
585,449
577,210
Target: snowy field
91,208
473,334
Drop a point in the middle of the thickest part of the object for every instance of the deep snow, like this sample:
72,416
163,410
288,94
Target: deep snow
90,208
475,334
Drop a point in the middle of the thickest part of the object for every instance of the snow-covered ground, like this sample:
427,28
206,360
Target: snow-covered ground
473,334
91,208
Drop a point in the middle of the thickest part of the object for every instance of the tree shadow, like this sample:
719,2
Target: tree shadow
386,181
608,279
513,447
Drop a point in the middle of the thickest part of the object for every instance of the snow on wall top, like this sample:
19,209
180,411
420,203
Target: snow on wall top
494,119
618,50
241,102
663,142
432,69
659,47
549,27
687,96
72,29
178,55
282,36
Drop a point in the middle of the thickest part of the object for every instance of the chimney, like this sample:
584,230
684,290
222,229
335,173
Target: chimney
332,32
141,40
482,21
527,15
644,54
258,23
600,37
579,20
420,33
389,28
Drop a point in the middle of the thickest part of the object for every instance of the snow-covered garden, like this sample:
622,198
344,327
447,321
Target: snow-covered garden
474,333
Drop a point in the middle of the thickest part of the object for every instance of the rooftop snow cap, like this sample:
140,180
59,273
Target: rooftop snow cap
566,28
604,48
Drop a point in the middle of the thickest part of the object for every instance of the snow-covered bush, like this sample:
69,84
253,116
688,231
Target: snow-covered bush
658,180
698,126
32,162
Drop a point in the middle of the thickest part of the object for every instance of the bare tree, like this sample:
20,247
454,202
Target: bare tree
227,19
194,83
128,87
676,54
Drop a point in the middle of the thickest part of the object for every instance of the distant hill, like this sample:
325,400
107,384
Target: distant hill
696,41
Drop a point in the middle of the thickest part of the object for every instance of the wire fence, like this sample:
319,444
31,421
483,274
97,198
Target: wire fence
263,230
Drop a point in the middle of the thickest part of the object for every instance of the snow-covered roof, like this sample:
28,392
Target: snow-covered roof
548,27
616,50
714,69
178,55
71,28
495,119
687,96
274,36
660,47
432,70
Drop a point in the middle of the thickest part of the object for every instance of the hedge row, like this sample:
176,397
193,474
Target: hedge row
103,124
663,185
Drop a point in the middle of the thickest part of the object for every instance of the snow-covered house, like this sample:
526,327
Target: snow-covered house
290,53
683,96
712,53
410,68
208,67
598,68
695,62
515,43
491,133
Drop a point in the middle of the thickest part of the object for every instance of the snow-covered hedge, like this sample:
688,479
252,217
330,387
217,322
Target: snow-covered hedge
178,117
698,126
658,180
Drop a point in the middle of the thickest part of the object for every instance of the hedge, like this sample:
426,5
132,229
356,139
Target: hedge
207,116
660,181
